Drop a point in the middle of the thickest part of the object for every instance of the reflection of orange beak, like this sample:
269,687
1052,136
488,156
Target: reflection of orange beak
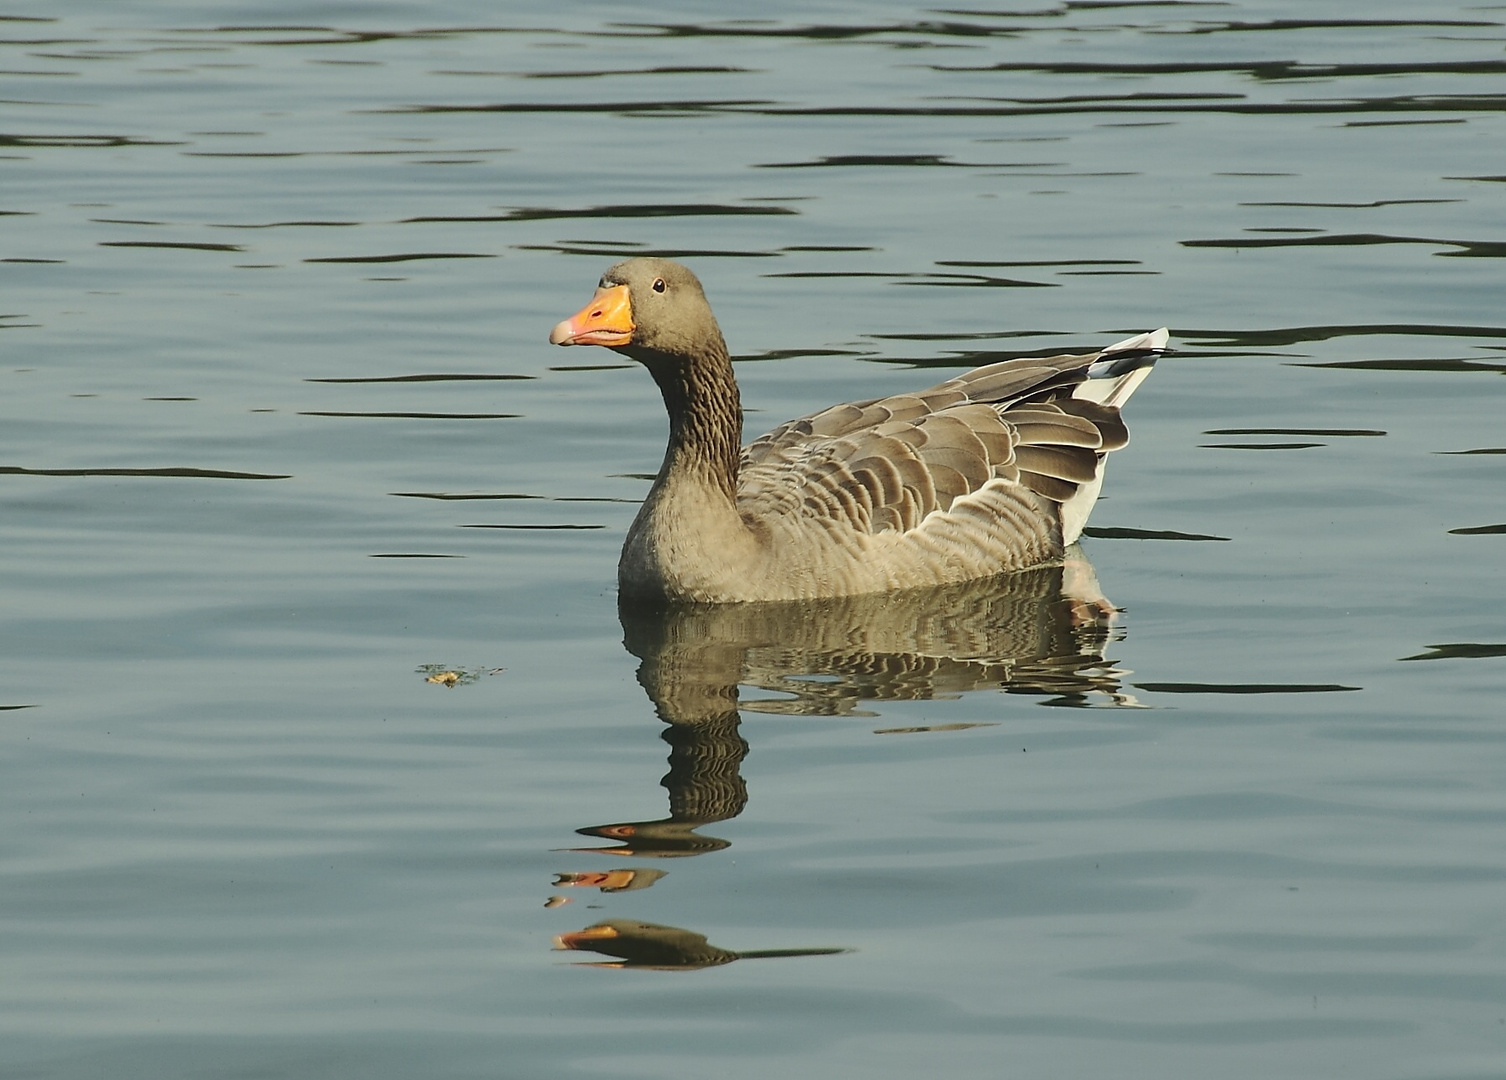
607,879
606,320
581,939
615,832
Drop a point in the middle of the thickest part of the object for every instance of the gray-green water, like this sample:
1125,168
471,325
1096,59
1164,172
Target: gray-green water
280,436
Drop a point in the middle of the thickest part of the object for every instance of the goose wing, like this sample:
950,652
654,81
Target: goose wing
987,447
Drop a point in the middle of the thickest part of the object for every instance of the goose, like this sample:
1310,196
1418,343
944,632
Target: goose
991,471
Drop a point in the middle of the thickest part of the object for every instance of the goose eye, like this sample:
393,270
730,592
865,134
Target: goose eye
658,284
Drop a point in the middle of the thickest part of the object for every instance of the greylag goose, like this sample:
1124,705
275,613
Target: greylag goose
991,471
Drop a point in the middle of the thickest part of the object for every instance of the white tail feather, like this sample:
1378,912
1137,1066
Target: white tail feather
1113,391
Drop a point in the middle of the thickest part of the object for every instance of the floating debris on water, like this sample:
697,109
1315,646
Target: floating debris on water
447,676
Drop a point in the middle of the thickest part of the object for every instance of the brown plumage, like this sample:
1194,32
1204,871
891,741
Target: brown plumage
990,471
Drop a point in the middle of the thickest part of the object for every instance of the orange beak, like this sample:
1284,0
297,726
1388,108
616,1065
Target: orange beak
606,320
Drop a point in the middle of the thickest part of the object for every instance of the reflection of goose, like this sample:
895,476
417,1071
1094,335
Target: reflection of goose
994,470
665,948
1040,631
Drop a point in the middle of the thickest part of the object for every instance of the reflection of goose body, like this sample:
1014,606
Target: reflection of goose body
1041,631
992,471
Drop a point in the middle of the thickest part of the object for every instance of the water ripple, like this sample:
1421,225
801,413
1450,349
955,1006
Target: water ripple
625,210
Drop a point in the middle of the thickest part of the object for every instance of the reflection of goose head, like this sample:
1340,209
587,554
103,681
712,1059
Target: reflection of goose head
623,879
665,948
642,944
664,839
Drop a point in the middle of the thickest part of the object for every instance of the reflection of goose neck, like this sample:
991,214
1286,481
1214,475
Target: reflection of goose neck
704,780
693,685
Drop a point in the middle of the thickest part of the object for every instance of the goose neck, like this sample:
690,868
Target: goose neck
705,416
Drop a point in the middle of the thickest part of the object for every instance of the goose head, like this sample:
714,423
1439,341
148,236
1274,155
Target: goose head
646,309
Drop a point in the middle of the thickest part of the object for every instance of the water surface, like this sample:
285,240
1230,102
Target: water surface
283,442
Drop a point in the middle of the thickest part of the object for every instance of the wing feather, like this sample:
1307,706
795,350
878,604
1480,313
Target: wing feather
1074,464
1048,487
979,458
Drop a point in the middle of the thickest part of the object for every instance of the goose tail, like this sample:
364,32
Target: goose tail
1112,378
1121,368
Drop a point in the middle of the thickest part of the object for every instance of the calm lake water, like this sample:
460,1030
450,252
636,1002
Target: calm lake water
283,440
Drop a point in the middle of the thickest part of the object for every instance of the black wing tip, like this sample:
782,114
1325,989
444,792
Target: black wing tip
1129,355
1113,365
